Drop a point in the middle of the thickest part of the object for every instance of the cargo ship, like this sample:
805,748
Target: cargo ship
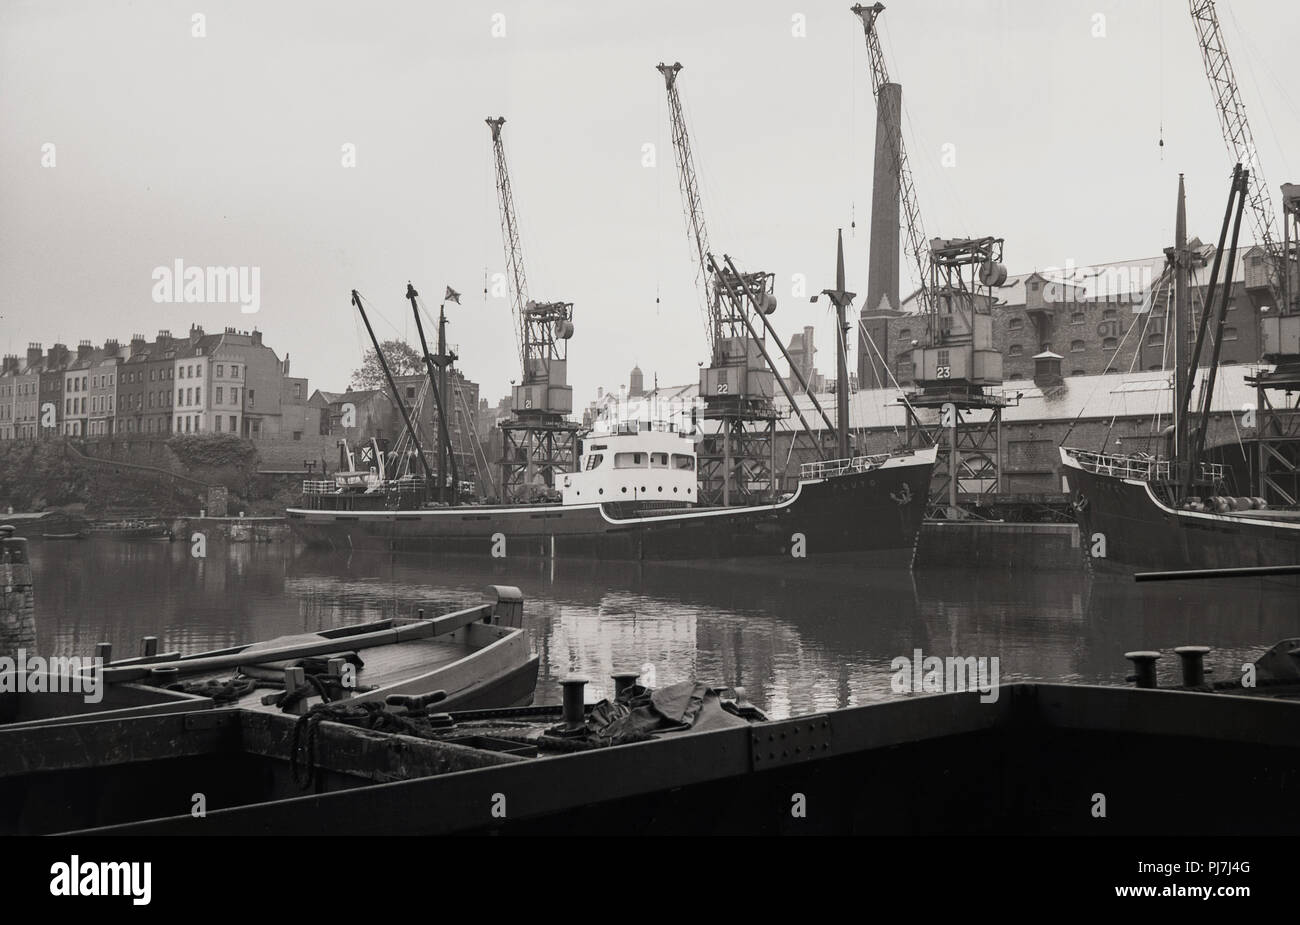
1178,511
635,498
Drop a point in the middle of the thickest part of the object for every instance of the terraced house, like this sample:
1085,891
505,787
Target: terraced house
229,382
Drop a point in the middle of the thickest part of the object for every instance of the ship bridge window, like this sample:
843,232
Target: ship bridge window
630,460
594,460
682,461
658,460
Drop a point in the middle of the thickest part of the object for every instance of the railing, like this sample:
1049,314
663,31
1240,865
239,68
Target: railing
830,468
1142,467
331,487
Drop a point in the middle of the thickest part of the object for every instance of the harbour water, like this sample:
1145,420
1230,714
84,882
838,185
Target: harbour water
804,638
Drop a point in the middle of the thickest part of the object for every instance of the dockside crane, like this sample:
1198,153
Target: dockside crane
955,366
1275,277
738,385
539,443
1231,110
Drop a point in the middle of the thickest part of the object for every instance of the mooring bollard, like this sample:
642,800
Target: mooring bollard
624,680
575,716
163,676
1193,659
1144,665
295,678
149,646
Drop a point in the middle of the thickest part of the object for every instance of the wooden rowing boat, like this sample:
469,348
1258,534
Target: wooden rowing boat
479,656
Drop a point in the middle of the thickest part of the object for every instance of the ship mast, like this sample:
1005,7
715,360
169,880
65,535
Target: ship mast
841,300
1181,384
397,398
443,358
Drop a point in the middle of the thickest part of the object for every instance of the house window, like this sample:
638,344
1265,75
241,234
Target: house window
1078,372
1232,305
297,390
1229,333
233,427
1017,375
218,399
904,333
1016,324
198,395
1015,350
234,395
252,403
1156,339
1076,318
234,371
216,423
410,392
1076,346
1109,343
220,370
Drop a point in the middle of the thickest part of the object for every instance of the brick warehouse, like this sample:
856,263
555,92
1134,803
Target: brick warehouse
1093,317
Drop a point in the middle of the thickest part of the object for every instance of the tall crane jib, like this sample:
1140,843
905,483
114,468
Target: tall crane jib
737,379
544,328
1231,109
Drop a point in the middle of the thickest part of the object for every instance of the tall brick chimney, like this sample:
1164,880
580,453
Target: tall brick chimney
138,344
35,354
882,273
10,363
882,267
84,349
111,347
257,338
164,340
196,331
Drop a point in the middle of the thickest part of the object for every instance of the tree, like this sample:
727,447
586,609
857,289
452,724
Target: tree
402,359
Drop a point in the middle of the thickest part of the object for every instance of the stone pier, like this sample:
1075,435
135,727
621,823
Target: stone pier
17,600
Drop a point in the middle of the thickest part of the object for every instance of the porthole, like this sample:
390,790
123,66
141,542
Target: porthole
624,489
661,488
600,491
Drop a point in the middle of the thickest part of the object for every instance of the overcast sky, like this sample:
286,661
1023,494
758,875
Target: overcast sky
227,150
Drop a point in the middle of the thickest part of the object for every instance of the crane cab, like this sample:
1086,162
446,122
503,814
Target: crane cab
636,461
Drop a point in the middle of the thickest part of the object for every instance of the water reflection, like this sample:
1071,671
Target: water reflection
809,638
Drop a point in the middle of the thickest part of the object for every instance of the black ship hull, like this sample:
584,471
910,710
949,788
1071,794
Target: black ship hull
869,517
1124,524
